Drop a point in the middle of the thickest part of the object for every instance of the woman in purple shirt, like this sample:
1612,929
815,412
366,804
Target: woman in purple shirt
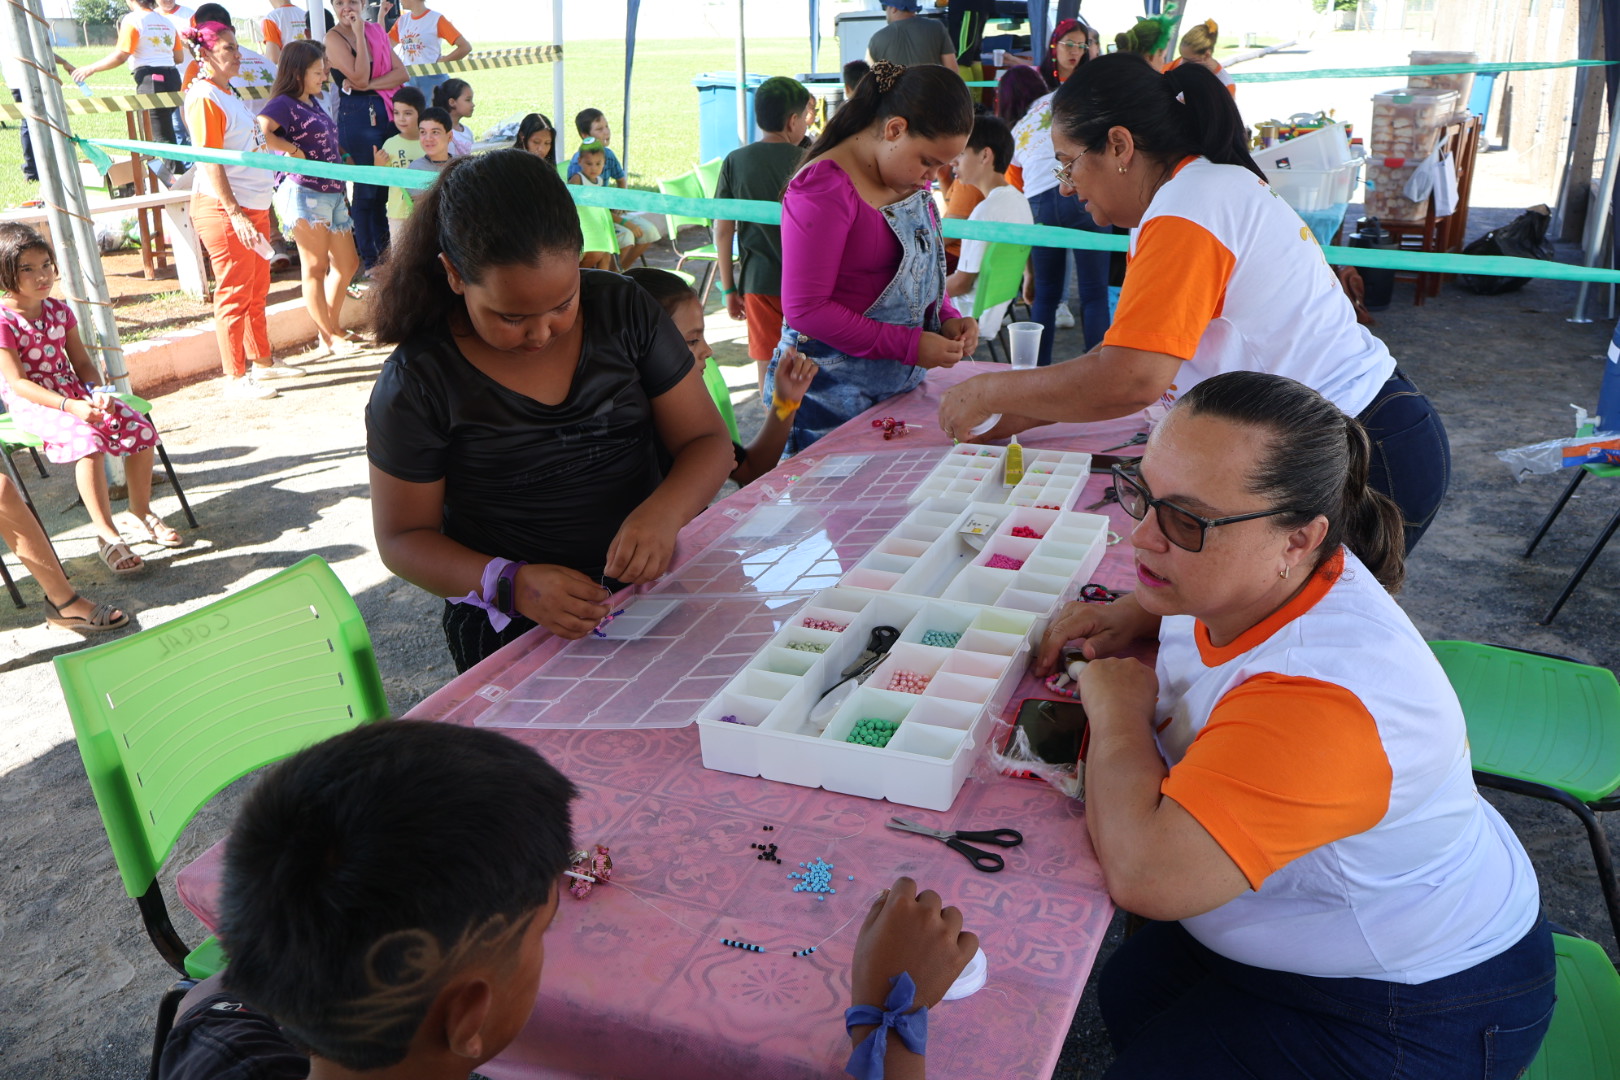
312,208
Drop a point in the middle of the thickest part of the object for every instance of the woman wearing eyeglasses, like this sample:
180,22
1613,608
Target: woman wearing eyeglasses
1223,277
1288,794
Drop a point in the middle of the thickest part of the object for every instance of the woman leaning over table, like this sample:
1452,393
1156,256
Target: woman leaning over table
1223,277
1289,795
230,206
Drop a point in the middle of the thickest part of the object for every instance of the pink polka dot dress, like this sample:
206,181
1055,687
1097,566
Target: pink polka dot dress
41,346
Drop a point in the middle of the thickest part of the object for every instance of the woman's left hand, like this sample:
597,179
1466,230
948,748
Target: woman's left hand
963,409
1117,689
964,330
642,548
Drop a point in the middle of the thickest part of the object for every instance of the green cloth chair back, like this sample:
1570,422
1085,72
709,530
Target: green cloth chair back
596,222
1001,276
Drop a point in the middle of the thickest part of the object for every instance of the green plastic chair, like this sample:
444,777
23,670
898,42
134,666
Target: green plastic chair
596,222
166,718
708,175
1546,727
688,186
1583,1041
1001,280
14,439
722,396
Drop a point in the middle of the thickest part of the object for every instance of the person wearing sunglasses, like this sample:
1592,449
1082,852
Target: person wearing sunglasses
1224,276
1287,794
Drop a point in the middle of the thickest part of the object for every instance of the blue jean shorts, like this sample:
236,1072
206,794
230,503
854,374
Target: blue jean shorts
328,209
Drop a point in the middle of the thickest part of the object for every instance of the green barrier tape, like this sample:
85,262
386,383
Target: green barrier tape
770,213
1406,70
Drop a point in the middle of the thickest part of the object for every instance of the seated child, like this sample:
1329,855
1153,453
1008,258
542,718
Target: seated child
793,375
433,138
537,135
591,124
400,150
592,158
980,167
397,920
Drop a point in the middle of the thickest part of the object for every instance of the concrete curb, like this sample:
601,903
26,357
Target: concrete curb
185,354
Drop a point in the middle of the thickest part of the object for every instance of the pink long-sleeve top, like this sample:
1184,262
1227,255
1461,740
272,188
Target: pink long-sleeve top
838,255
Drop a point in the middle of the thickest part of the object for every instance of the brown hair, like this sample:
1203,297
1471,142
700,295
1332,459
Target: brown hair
15,242
932,100
296,60
1201,38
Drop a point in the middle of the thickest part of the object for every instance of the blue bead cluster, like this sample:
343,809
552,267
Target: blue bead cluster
817,878
943,639
741,945
806,952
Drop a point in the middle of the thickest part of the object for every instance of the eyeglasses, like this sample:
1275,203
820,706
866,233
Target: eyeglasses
1073,46
1182,528
1062,172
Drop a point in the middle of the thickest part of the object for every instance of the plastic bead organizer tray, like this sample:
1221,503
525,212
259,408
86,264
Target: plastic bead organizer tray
963,474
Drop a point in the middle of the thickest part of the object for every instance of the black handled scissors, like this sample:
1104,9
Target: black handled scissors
988,861
877,647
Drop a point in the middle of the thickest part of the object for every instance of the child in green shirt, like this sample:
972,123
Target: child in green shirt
400,151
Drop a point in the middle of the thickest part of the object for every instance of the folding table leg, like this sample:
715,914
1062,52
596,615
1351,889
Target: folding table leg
1580,571
1580,474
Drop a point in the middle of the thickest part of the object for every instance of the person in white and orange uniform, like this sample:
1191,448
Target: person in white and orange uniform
420,37
285,23
1198,47
1288,794
151,46
1222,276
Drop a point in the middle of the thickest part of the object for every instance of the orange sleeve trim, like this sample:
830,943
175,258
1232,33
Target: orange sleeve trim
1015,176
129,38
272,32
393,33
1175,284
1285,765
447,31
1316,588
206,121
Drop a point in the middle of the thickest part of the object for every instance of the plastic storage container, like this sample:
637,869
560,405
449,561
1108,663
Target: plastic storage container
1324,148
1463,84
1404,121
717,112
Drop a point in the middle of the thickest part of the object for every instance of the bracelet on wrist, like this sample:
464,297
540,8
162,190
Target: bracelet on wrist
725,291
783,407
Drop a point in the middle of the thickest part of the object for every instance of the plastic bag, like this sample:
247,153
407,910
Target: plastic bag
1524,237
1017,759
1592,448
1436,176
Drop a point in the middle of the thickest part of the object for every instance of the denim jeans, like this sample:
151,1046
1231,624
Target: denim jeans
1049,264
30,171
1175,1009
1411,456
363,126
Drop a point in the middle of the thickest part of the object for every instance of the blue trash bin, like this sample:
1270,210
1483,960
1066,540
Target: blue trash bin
717,112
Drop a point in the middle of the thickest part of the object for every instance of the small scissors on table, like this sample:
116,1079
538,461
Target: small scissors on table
988,861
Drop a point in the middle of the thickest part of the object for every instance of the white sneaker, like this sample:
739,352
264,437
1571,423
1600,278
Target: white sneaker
278,370
1065,319
247,388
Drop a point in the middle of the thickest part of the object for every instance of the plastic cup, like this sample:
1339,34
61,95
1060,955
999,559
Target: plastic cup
1024,343
985,425
998,57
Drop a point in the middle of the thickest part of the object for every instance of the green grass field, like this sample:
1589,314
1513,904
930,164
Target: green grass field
663,119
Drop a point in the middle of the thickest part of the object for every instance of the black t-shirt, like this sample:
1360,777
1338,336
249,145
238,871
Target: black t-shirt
221,1038
524,480
759,171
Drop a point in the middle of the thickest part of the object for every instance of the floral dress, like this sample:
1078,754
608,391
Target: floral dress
41,346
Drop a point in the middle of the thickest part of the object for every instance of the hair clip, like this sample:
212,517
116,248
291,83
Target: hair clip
885,73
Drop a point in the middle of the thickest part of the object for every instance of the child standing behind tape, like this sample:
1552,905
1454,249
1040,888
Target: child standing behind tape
863,261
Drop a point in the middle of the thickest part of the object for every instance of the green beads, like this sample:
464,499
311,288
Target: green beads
943,639
807,646
873,732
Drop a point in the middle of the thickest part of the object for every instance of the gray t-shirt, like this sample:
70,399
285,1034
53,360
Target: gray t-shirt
912,41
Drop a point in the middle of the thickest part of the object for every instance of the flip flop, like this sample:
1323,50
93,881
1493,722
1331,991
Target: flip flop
116,555
99,621
155,530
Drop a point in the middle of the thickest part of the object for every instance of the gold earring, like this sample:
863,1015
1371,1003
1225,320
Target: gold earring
1122,168
1283,573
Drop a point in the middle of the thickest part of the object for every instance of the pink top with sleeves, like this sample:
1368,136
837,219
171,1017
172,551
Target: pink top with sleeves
838,255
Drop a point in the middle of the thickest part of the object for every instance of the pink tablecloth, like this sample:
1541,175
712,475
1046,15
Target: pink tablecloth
637,983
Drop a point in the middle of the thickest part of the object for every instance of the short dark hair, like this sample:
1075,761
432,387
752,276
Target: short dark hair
992,133
16,241
854,72
1019,88
364,872
207,13
668,289
591,146
499,208
436,114
585,118
410,95
777,101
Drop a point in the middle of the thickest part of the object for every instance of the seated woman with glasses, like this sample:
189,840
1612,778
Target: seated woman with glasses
1288,794
1224,276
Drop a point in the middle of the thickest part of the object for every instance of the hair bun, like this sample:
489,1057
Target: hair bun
885,73
1214,30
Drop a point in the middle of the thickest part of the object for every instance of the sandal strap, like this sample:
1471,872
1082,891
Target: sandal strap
66,603
102,615
119,552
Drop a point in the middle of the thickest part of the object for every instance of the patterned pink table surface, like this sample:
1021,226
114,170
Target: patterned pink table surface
637,982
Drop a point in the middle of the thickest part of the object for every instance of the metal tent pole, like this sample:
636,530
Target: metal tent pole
742,77
1597,219
557,68
316,13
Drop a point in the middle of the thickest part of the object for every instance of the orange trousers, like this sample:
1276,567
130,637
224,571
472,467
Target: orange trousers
241,283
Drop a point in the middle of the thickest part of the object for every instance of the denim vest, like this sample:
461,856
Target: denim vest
847,386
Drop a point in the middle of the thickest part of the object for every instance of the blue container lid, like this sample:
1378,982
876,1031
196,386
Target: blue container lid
724,78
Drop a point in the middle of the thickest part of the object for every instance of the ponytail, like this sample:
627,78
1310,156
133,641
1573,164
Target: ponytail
501,208
1315,462
448,91
1184,113
932,100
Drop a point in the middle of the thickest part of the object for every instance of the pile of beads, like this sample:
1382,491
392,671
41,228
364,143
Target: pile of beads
1047,506
740,945
891,427
808,646
824,624
730,718
872,732
941,639
1026,532
817,878
986,453
1005,562
909,682
767,852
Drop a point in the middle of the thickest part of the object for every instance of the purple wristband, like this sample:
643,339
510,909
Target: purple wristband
485,598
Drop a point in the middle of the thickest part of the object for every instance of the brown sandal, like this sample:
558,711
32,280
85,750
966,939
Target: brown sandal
118,556
154,530
99,621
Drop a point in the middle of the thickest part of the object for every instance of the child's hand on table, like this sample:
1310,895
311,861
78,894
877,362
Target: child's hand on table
561,599
911,932
935,350
643,546
794,374
965,330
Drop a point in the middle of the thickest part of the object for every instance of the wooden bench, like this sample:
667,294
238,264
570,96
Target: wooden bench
174,205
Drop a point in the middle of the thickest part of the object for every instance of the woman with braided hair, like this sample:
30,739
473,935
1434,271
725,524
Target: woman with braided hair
863,261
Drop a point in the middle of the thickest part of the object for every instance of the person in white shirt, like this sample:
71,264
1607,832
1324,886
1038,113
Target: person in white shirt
981,165
177,15
151,45
420,37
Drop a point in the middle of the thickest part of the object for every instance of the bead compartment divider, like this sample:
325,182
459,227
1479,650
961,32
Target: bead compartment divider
974,473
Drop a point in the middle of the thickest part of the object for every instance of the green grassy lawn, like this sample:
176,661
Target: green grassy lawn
664,117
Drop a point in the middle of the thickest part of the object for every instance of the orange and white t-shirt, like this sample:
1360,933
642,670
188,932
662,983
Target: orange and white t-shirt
1324,750
281,26
256,71
219,119
418,37
1223,274
149,39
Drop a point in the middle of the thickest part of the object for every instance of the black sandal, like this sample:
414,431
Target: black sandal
99,621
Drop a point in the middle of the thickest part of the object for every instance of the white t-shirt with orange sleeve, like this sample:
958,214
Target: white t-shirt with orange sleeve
1223,274
419,37
284,25
149,40
1325,752
219,119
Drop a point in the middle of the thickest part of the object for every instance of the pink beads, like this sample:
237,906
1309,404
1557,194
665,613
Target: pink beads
908,682
1005,562
1026,532
824,624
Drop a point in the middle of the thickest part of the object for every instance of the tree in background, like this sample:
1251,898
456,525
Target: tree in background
99,11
